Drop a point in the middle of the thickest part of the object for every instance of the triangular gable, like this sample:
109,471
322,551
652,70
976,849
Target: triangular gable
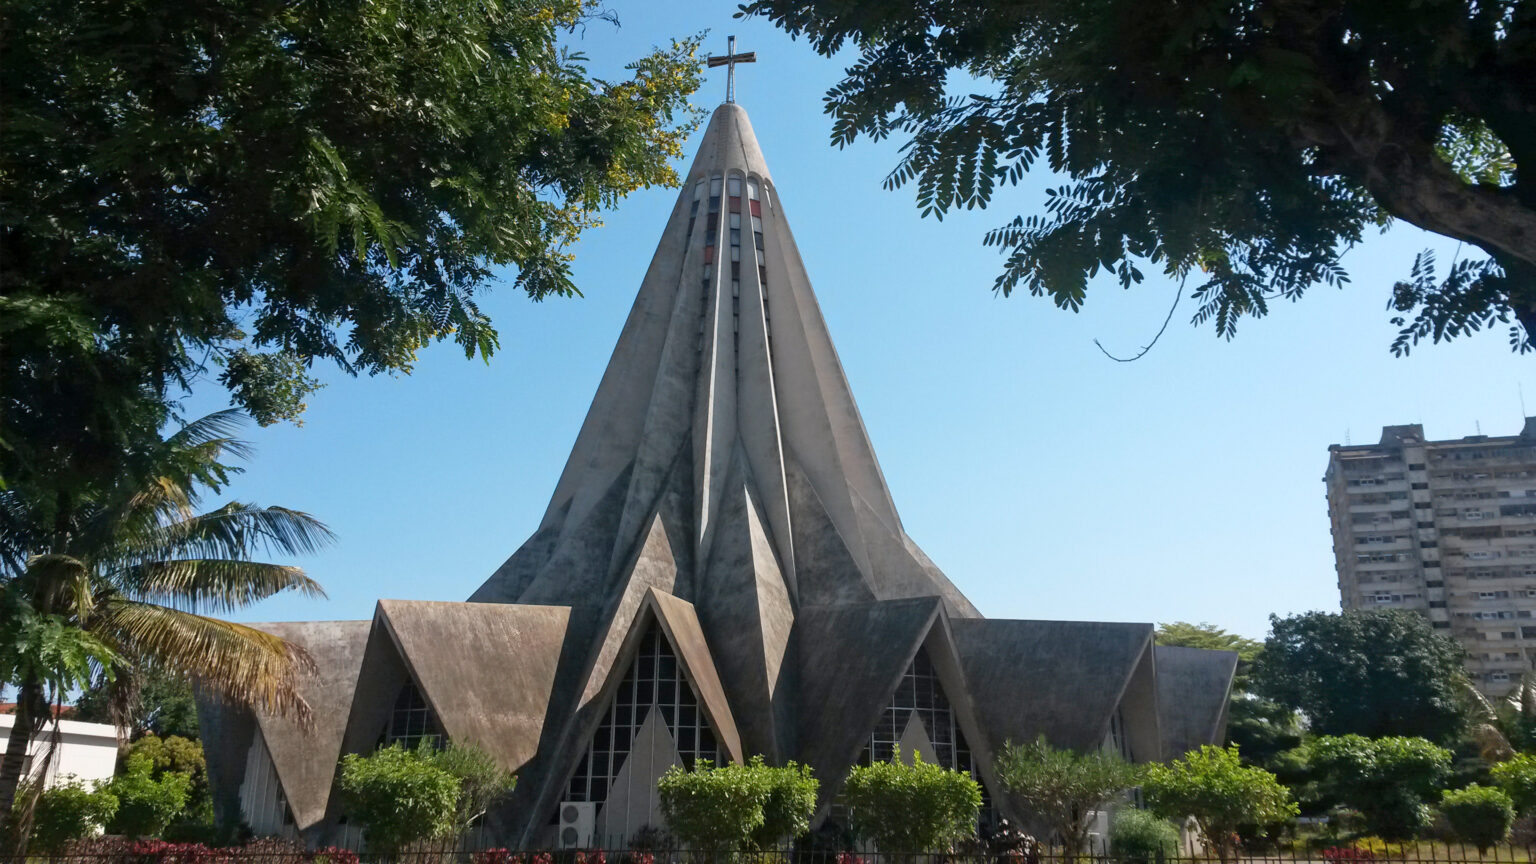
305,760
851,661
1194,687
681,624
1060,679
486,669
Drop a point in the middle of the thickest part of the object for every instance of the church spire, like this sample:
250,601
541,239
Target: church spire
725,413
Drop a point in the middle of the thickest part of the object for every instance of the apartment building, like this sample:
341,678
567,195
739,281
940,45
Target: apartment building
1447,529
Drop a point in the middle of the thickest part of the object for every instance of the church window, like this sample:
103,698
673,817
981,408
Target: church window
412,720
735,187
655,682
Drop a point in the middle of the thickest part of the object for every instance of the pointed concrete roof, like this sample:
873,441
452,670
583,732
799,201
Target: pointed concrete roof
305,759
1194,687
1060,679
740,393
486,669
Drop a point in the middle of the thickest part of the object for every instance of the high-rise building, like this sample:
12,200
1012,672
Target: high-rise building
1446,529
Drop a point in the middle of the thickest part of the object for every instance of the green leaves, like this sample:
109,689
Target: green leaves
1062,788
51,650
146,803
911,808
1249,146
1389,780
1212,785
399,796
1479,815
253,187
67,812
731,808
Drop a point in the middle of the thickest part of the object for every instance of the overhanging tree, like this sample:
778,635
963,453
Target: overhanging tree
1246,145
241,189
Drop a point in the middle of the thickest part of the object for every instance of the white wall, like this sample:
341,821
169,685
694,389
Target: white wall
87,751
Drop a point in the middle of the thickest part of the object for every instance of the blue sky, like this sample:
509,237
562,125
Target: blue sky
1046,480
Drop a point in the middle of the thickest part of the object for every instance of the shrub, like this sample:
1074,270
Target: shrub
1480,815
1063,788
69,812
399,796
711,809
182,756
1136,836
1517,777
1220,792
790,803
1388,780
919,807
1347,854
145,803
482,782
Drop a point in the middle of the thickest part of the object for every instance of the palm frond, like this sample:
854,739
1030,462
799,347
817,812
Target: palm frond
241,664
214,584
236,531
60,584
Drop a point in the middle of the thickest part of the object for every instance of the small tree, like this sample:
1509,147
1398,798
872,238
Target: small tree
713,809
175,754
791,801
68,812
1213,786
1480,815
1389,780
146,803
919,807
1517,777
1137,837
482,782
400,797
1062,788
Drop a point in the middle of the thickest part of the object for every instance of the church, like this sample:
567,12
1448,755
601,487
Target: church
721,573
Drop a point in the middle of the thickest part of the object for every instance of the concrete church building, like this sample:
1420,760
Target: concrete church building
721,573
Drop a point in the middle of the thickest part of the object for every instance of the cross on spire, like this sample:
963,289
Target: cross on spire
729,61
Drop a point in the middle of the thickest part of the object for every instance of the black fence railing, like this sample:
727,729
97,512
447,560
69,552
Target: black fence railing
111,851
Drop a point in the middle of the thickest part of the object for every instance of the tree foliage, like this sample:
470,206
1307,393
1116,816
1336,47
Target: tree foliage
1062,787
1221,793
158,704
240,190
1246,146
146,803
183,756
400,797
1480,815
911,808
1517,777
138,572
67,812
482,782
1374,674
1388,780
729,808
1139,837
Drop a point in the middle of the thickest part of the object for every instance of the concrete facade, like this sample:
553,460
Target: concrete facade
720,573
1446,529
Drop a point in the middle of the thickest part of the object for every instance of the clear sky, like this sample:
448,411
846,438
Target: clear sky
1046,480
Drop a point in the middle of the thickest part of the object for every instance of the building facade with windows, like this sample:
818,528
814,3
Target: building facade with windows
721,574
1446,529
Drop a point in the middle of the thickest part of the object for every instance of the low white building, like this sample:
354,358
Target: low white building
86,751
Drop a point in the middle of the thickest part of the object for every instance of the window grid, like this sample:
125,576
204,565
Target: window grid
921,693
655,681
412,720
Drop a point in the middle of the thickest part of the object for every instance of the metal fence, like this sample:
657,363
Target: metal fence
275,852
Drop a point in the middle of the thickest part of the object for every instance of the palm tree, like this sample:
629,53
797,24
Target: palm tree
128,578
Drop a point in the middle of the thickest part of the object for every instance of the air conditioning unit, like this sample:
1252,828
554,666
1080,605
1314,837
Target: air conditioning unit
578,821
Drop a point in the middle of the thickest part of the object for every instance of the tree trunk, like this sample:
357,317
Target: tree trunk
31,710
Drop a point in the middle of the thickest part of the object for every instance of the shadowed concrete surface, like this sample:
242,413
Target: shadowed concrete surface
723,488
1194,687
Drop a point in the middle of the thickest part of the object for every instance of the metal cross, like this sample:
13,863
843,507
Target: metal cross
729,61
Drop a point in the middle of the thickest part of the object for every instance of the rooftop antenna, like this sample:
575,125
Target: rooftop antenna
729,61
1347,442
1519,388
1479,425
